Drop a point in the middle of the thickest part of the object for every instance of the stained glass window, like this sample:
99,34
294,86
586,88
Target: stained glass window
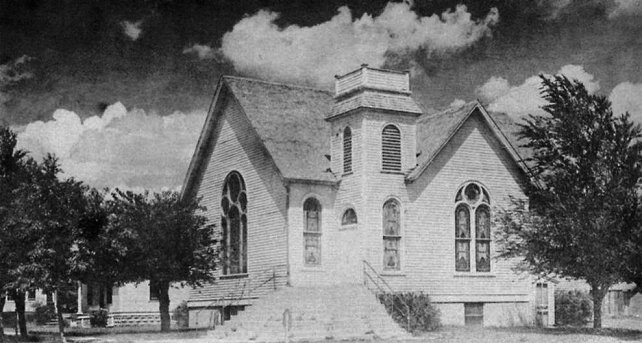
234,225
472,198
312,232
391,235
349,217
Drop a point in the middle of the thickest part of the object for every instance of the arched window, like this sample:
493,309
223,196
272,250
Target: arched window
347,150
234,225
472,230
312,232
391,235
349,217
391,149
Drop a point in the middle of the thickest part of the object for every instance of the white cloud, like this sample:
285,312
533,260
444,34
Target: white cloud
627,97
126,149
457,103
204,52
132,29
519,101
257,46
626,8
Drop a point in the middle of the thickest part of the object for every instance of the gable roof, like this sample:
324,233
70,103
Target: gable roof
435,131
289,121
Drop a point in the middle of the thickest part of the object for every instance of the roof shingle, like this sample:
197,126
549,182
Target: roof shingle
290,122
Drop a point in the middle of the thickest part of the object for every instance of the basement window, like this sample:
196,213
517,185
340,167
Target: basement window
474,314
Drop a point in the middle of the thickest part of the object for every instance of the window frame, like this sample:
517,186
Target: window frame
343,214
309,233
473,207
398,237
154,291
394,166
226,227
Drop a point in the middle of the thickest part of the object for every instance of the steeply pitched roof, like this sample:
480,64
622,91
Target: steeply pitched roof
435,131
290,122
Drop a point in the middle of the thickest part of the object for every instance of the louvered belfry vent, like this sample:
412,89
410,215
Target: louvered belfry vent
391,149
347,150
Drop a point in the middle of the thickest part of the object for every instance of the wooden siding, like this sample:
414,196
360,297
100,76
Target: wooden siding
427,252
236,147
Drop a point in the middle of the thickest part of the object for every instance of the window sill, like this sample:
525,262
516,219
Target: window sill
233,276
392,172
393,273
475,274
313,269
348,227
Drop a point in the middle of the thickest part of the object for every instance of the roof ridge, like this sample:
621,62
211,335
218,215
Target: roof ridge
275,83
449,110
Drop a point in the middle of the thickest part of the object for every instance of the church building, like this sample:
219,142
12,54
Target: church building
357,189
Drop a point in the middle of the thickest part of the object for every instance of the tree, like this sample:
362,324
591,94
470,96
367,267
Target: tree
55,218
13,165
167,241
584,207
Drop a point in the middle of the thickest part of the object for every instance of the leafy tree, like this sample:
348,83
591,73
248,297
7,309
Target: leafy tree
13,165
166,241
55,218
583,211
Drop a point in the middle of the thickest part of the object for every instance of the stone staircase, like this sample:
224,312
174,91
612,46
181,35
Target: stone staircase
319,313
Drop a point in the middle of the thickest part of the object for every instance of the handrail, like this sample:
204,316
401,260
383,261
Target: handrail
229,295
388,289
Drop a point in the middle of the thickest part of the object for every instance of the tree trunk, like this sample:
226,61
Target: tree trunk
163,304
2,299
61,322
598,293
19,299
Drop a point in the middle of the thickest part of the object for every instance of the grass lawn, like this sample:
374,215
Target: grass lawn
616,330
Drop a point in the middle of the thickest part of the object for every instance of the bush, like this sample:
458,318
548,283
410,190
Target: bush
43,313
572,308
423,315
99,318
181,315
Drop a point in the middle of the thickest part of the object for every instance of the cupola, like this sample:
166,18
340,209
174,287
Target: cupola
373,88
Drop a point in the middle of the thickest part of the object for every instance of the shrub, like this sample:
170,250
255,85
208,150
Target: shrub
99,318
572,308
181,315
423,315
43,313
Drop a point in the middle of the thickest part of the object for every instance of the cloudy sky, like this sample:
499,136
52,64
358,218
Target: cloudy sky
118,90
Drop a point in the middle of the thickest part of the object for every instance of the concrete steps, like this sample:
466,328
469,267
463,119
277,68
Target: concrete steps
319,313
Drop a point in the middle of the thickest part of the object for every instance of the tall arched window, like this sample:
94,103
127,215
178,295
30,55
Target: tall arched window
312,232
234,225
391,149
472,230
391,235
347,150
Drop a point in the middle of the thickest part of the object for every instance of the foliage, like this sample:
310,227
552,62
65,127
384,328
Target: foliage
44,313
413,311
167,241
181,315
583,208
572,308
99,318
